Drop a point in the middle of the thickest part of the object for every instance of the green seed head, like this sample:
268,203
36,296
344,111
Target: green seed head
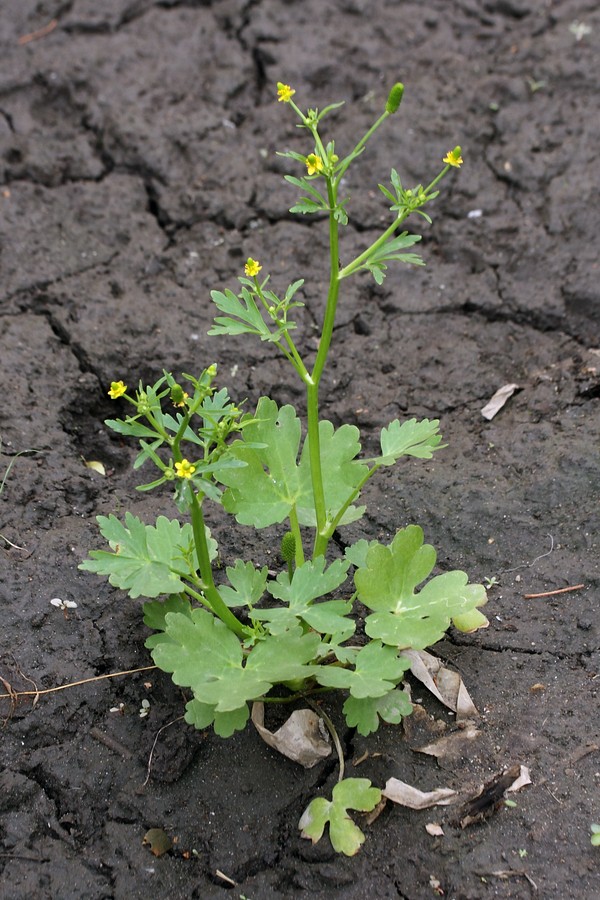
394,98
288,547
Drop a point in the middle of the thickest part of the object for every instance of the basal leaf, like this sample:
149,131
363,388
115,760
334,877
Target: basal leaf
309,581
156,610
346,837
377,670
387,584
201,715
364,713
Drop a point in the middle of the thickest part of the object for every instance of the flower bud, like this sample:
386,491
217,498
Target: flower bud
394,98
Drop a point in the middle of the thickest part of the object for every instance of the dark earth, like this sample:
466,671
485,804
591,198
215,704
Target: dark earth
137,148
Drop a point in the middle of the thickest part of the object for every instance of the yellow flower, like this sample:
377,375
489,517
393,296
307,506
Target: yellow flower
181,403
284,92
117,389
453,158
184,469
314,164
252,267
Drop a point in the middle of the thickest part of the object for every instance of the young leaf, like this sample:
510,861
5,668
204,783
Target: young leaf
310,580
306,205
377,670
411,438
147,560
364,713
346,837
247,584
243,316
387,584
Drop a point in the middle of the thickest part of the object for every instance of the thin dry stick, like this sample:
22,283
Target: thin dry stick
71,684
575,587
40,33
158,733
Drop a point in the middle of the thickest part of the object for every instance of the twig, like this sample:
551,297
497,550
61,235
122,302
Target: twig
158,733
36,35
111,743
574,587
63,687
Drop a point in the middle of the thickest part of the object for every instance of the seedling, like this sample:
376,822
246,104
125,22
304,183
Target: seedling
595,835
232,637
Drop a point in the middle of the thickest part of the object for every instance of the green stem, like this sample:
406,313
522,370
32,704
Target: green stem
340,513
357,263
295,529
353,153
210,591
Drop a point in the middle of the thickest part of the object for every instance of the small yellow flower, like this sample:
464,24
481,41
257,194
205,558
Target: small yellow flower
184,469
284,92
252,267
314,164
453,158
117,389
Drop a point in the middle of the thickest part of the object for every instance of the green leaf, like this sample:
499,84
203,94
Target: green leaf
411,438
377,670
356,553
387,584
243,315
305,205
147,560
201,715
269,486
346,837
342,473
364,713
156,610
130,427
272,482
310,580
201,652
247,584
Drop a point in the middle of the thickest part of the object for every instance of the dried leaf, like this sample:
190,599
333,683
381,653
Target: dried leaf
406,795
498,400
443,683
453,745
489,798
434,829
96,466
299,738
158,841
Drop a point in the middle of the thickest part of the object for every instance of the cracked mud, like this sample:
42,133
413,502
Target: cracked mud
137,157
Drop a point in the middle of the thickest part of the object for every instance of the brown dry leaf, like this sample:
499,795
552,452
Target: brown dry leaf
443,683
406,795
496,403
158,841
489,798
299,738
453,745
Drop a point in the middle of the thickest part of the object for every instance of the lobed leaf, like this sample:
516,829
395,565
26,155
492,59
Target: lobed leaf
346,837
146,560
387,584
377,670
364,713
411,438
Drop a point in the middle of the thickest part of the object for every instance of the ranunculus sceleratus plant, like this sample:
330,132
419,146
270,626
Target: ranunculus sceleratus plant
246,636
